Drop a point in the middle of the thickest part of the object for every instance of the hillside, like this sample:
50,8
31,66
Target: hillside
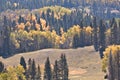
84,63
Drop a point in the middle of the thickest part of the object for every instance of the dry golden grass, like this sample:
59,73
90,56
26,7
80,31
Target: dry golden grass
84,63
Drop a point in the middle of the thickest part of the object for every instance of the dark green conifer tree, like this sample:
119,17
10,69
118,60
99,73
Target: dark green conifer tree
102,39
114,32
117,65
6,43
81,39
65,66
1,67
21,19
23,63
33,71
75,42
56,71
110,67
47,71
95,35
118,41
102,30
29,70
38,73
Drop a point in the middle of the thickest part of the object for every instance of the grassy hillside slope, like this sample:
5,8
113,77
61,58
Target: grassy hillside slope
84,63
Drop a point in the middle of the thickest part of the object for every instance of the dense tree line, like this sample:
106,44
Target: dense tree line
46,31
41,3
32,71
101,8
35,32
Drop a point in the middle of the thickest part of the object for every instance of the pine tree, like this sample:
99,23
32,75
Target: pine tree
75,42
6,44
114,33
118,41
47,71
65,66
38,73
29,63
29,70
56,71
33,71
81,39
1,67
102,42
91,40
110,67
117,65
23,63
102,30
21,19
95,35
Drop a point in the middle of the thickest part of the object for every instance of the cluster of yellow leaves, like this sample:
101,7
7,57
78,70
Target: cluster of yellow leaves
31,17
108,32
51,36
23,35
73,30
114,50
54,34
43,23
28,24
58,11
76,30
13,73
63,38
21,26
37,26
57,41
14,41
88,30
